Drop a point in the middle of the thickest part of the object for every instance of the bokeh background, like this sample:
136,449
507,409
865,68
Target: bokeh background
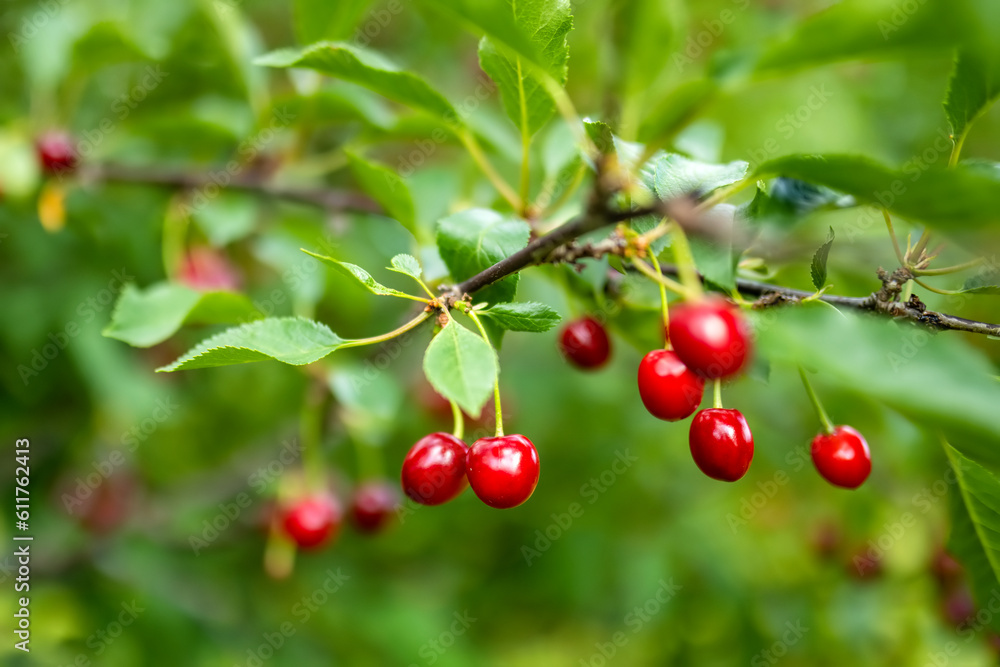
663,565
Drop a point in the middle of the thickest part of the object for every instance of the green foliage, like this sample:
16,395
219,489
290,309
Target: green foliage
368,69
974,85
290,340
407,265
525,99
358,274
461,366
522,316
672,175
387,188
146,317
476,239
817,270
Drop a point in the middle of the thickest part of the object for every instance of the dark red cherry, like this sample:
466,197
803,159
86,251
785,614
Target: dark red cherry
721,443
434,469
503,471
585,343
710,337
312,520
842,457
373,505
56,152
668,389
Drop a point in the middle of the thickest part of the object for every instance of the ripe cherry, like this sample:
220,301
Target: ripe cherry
434,469
503,471
668,389
842,457
312,520
710,337
207,269
721,443
373,505
56,152
585,343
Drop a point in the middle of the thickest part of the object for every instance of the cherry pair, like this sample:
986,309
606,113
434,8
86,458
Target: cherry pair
313,520
503,471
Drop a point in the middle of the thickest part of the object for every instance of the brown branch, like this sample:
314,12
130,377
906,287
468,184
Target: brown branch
250,181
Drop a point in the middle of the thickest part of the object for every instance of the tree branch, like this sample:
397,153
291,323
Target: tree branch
325,198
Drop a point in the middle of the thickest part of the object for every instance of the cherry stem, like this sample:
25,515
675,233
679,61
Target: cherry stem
310,419
950,269
496,385
663,297
686,267
358,342
717,394
672,285
279,550
892,235
946,292
456,413
827,424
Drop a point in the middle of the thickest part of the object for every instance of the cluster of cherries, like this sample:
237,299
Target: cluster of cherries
709,339
315,519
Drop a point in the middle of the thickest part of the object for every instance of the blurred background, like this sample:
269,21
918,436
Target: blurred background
150,493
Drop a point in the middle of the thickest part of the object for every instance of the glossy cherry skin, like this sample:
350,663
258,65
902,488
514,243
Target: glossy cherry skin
434,469
312,520
56,152
373,505
585,343
721,443
503,471
710,337
668,388
842,457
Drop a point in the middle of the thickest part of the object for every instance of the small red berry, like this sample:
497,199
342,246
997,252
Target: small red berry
312,520
721,443
56,152
503,471
207,269
958,608
668,389
434,469
585,343
842,457
710,337
373,506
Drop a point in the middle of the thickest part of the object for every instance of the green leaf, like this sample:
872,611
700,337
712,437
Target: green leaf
143,318
673,175
461,366
627,152
387,188
358,274
986,282
818,268
524,316
476,239
316,20
864,29
975,532
368,69
962,195
527,103
716,262
643,34
291,340
406,264
973,86
932,378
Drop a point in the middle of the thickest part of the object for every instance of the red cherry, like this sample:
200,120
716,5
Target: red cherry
434,469
56,152
842,457
312,520
721,443
668,389
710,337
585,343
373,505
207,269
503,471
